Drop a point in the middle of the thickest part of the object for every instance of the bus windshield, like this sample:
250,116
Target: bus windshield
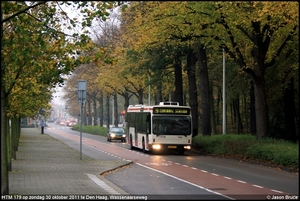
171,125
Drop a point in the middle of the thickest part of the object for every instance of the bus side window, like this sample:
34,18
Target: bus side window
148,123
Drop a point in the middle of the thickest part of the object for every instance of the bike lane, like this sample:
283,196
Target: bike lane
230,187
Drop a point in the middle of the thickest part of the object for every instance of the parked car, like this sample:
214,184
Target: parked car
62,123
116,133
71,123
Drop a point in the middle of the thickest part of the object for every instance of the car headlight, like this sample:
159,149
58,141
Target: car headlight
124,135
113,135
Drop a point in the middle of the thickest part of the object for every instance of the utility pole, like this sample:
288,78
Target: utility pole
224,95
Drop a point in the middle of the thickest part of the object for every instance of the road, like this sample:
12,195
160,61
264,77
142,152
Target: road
191,176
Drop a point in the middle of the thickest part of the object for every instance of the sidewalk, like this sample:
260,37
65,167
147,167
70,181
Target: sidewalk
46,166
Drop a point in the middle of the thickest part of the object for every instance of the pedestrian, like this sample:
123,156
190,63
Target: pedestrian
42,125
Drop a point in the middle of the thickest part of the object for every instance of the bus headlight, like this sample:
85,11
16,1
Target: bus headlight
156,146
187,147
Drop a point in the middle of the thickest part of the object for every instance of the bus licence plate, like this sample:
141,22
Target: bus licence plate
172,147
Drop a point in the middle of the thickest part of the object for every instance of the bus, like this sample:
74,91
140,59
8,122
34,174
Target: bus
159,128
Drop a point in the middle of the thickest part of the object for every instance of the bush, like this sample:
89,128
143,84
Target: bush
247,146
280,152
223,144
96,130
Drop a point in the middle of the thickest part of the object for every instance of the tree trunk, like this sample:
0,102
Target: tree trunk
4,151
107,112
212,111
219,113
95,112
289,111
245,113
236,107
101,109
204,89
158,94
89,112
262,125
84,113
116,113
141,96
191,72
14,139
178,95
126,100
252,110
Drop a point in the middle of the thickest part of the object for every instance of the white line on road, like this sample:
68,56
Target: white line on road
102,184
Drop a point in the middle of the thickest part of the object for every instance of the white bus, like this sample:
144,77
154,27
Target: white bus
157,128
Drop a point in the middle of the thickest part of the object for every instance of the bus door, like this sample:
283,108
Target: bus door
148,129
135,130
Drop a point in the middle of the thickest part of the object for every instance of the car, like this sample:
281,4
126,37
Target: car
71,123
62,123
116,133
51,121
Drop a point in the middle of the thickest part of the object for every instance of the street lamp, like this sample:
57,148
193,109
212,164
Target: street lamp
224,95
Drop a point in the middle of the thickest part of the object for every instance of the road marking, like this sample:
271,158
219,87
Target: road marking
102,184
157,164
217,193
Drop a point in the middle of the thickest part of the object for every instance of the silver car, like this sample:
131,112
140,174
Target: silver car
116,133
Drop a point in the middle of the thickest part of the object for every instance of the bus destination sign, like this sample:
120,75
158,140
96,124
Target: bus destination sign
161,110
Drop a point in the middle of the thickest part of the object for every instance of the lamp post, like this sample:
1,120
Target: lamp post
224,95
81,99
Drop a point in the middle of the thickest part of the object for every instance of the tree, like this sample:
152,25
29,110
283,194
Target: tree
254,25
33,43
173,25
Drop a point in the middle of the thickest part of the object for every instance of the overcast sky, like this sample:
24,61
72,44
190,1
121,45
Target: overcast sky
72,12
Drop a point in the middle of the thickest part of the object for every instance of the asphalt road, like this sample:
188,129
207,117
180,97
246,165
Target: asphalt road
171,176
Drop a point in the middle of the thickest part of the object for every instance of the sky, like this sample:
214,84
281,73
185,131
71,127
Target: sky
58,98
72,12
